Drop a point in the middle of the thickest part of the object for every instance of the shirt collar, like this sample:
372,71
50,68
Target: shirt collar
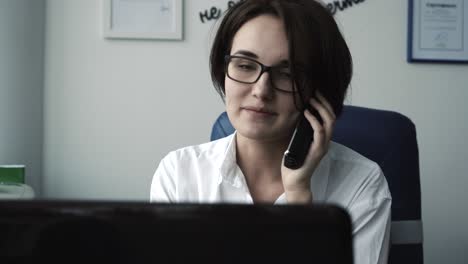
319,181
230,172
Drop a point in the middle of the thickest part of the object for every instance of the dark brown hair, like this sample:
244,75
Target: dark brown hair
318,54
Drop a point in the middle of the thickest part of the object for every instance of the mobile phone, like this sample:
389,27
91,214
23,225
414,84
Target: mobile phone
300,141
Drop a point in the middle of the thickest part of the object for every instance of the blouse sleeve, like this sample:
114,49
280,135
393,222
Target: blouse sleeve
163,187
371,217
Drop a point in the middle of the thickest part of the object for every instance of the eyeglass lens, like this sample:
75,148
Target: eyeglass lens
248,71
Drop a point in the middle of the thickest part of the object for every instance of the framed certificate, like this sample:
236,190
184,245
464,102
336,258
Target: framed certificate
143,19
438,31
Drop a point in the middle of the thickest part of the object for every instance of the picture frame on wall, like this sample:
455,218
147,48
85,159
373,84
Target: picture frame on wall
437,31
143,19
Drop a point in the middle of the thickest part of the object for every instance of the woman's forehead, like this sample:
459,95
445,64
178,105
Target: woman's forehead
263,36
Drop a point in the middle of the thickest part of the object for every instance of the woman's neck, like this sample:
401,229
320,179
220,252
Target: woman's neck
260,160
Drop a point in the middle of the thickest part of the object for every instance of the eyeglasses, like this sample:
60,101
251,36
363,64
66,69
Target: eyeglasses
246,70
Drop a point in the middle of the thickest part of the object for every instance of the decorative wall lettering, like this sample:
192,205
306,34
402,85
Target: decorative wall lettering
342,5
214,12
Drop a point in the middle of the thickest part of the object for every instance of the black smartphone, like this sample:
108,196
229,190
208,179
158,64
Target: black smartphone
300,141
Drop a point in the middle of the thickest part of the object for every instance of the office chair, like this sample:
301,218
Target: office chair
388,138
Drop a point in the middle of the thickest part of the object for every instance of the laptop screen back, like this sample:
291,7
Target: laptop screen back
175,233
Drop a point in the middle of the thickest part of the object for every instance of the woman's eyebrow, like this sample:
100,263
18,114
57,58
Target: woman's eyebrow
282,63
246,53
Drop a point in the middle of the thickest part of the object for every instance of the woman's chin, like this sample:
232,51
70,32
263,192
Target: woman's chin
261,134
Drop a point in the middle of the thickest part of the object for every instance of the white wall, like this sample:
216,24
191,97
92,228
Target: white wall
114,108
21,86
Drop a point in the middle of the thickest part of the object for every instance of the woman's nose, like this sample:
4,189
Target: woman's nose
263,88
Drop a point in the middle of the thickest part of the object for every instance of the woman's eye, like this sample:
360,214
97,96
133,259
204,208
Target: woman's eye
246,67
285,75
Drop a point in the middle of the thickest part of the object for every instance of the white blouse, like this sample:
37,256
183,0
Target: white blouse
208,173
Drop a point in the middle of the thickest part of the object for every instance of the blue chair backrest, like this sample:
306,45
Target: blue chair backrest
388,138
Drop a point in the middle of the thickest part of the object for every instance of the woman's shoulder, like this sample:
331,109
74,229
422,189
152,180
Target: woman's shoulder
355,172
339,153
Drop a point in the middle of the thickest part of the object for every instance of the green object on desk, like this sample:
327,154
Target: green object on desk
12,173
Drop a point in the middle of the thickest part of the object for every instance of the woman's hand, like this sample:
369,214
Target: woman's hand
296,182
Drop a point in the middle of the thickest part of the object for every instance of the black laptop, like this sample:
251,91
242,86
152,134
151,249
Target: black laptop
138,232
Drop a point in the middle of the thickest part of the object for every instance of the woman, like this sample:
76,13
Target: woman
271,61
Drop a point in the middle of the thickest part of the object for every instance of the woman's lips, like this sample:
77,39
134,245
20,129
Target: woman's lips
259,112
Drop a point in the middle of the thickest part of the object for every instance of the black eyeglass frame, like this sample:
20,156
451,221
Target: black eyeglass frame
263,67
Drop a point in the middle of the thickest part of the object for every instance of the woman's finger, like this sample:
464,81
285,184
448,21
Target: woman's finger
320,136
326,104
327,117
